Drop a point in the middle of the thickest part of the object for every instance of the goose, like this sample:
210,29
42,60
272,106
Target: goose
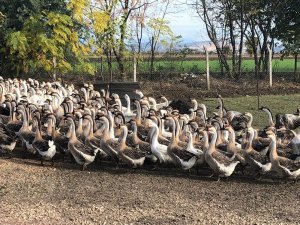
45,148
180,155
289,169
7,143
61,141
13,126
290,121
190,146
260,163
25,133
5,110
270,117
157,149
128,112
234,148
109,144
82,154
131,156
91,140
221,164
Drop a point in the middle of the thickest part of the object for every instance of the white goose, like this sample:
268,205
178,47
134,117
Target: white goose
157,149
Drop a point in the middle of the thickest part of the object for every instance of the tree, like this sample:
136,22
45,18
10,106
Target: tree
46,40
287,30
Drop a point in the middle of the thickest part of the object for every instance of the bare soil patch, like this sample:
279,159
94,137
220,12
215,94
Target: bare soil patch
178,88
33,194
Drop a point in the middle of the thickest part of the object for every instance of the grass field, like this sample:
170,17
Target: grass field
196,66
277,104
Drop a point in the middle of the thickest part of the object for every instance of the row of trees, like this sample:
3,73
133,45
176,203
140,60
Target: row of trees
260,24
57,36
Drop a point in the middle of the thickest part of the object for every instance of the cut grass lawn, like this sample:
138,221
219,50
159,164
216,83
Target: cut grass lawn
277,104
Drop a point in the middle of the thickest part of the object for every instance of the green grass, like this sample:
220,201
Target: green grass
196,66
277,104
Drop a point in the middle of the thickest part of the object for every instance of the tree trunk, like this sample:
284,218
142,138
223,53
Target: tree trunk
242,33
295,67
152,58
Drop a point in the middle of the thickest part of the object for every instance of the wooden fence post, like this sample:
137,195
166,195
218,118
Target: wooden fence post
134,68
270,66
207,69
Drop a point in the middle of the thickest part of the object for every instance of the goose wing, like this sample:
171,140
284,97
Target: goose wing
221,158
289,164
263,159
62,141
134,153
181,153
28,136
5,138
112,143
41,145
84,149
94,141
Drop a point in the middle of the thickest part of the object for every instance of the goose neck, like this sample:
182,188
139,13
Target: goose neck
212,145
273,149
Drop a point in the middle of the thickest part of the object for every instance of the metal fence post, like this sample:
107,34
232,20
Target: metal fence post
207,69
270,66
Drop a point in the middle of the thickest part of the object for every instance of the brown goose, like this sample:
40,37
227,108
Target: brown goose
91,140
109,144
82,154
61,141
25,133
221,164
133,157
232,147
7,143
179,155
260,163
46,148
289,169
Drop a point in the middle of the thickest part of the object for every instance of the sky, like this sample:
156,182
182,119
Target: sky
187,24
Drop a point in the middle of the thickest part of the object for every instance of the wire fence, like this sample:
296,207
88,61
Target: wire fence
168,75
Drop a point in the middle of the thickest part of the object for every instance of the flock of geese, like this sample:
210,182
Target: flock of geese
51,120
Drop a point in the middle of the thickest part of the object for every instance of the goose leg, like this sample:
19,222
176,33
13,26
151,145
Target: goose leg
52,161
83,167
42,161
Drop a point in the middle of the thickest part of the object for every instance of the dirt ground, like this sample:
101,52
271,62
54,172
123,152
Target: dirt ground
62,194
178,88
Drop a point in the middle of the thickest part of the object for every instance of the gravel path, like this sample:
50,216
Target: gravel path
32,194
